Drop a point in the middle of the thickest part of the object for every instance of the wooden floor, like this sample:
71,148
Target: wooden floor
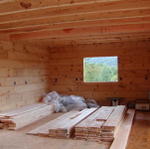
140,134
139,138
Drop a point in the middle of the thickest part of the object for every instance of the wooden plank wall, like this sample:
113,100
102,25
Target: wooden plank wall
23,74
66,74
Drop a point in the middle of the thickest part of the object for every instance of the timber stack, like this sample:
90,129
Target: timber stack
24,116
102,125
94,124
63,126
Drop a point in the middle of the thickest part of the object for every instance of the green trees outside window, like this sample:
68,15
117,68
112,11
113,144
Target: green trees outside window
101,69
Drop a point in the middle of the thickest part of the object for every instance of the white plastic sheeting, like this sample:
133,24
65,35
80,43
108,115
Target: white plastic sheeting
67,103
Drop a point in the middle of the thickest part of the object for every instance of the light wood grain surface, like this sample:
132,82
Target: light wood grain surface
19,140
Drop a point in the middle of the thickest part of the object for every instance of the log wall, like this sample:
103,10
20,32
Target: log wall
66,74
23,74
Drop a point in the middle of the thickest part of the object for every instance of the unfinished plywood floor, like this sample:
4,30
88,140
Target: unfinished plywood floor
19,140
140,134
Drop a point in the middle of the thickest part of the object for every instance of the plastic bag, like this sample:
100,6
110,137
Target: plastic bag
68,103
54,99
73,102
91,103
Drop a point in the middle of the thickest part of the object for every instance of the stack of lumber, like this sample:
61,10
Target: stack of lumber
90,128
63,126
123,133
24,116
110,127
95,124
101,125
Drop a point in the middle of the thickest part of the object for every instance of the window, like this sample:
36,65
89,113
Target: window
101,69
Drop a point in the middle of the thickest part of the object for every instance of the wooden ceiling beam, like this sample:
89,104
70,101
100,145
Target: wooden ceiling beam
116,36
132,35
63,42
97,41
86,23
76,17
72,9
101,39
21,5
78,39
97,30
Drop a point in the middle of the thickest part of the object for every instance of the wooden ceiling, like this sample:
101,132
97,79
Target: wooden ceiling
65,22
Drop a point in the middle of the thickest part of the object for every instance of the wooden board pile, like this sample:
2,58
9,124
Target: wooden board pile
63,126
90,128
121,139
112,124
24,116
101,125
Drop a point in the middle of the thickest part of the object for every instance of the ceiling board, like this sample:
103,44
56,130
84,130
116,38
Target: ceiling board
77,17
72,9
22,5
77,24
74,21
100,30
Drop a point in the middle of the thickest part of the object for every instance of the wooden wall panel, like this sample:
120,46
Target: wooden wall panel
66,73
23,74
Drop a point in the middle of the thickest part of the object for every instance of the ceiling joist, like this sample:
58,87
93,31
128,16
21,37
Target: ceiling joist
91,39
97,30
72,9
74,21
77,24
76,17
22,5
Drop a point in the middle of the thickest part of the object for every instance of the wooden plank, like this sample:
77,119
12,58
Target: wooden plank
63,123
76,17
90,128
70,9
19,5
115,118
30,117
105,112
21,110
108,133
90,40
22,80
127,28
121,139
70,123
80,23
44,129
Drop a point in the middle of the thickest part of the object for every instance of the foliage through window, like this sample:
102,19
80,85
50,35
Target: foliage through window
101,69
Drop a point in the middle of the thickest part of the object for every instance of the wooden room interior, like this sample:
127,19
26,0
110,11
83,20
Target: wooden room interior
43,44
